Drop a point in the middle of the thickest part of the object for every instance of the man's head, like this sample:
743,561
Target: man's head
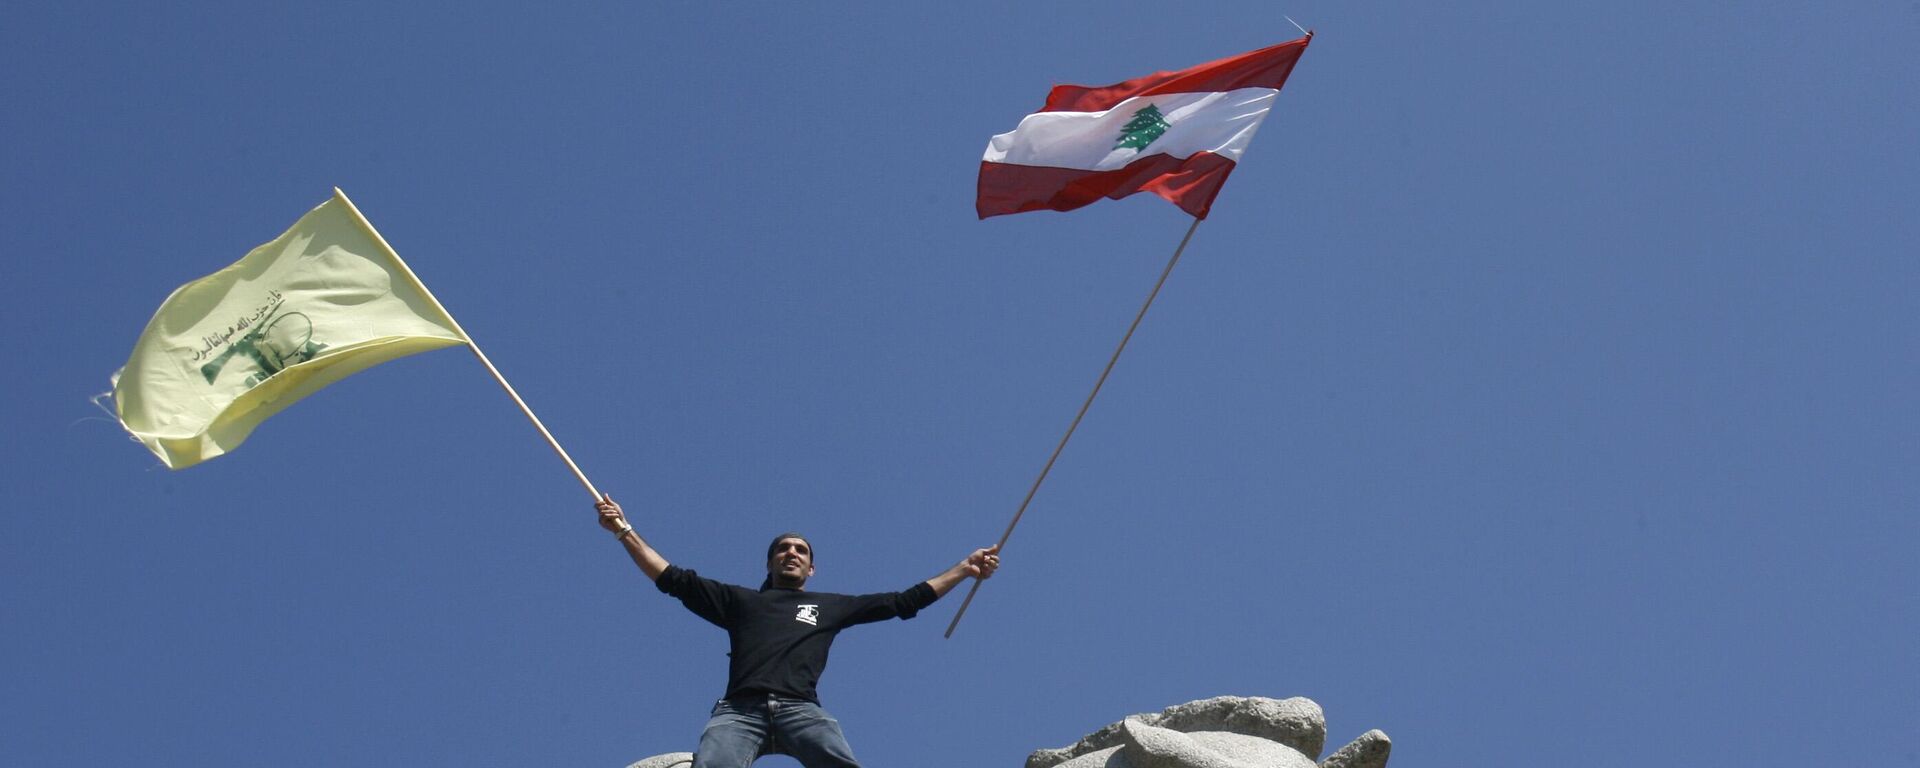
789,561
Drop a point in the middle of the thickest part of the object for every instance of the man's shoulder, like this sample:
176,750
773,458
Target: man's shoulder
835,597
678,574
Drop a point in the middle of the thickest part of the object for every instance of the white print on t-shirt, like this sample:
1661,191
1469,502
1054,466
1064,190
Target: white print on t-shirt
809,614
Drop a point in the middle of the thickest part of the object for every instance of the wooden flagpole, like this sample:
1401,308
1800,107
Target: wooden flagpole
1077,417
582,476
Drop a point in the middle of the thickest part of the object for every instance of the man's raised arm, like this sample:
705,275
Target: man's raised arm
980,565
614,519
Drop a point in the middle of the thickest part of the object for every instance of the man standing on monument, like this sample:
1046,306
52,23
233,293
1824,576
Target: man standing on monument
779,637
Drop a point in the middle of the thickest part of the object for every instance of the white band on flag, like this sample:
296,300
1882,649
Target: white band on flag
1222,123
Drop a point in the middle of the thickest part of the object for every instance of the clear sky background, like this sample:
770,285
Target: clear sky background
1540,391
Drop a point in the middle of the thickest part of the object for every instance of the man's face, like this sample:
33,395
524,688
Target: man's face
791,564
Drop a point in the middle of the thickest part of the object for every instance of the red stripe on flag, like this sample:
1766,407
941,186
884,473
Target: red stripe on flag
1189,182
1264,68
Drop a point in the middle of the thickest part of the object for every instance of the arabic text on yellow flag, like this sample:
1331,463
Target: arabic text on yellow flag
320,303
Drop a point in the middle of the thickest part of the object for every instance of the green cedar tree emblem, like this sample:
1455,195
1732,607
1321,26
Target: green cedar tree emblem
1146,125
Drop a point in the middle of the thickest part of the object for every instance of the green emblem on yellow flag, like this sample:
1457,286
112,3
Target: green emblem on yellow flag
323,301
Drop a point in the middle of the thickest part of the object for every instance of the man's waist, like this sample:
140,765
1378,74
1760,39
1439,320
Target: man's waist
756,695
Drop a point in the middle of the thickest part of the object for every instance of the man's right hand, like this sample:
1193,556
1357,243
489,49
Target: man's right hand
612,517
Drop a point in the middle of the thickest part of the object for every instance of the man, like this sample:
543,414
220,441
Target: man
780,634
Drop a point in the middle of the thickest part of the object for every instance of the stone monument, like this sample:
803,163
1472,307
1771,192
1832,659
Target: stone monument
1221,732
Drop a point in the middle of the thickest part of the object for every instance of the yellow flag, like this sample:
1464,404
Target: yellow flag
320,303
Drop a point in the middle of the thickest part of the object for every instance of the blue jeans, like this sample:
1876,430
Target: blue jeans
743,729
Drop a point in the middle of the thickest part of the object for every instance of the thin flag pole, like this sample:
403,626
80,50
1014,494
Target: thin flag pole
1077,417
471,344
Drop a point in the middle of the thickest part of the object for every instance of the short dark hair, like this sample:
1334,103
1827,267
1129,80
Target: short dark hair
767,583
775,544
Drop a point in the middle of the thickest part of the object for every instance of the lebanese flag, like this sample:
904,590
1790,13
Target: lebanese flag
1175,134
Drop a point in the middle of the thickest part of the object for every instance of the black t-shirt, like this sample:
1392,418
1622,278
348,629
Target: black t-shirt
780,637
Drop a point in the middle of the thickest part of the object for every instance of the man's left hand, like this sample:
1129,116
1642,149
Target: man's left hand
983,562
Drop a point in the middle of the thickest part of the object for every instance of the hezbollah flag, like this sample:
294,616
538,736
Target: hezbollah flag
323,301
1175,134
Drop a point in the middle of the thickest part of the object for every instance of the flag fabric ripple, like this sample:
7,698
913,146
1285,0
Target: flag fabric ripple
1175,134
321,302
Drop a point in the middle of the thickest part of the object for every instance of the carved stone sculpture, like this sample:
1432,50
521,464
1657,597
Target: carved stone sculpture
1221,732
668,760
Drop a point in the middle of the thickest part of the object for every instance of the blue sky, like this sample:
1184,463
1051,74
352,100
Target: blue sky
1540,390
